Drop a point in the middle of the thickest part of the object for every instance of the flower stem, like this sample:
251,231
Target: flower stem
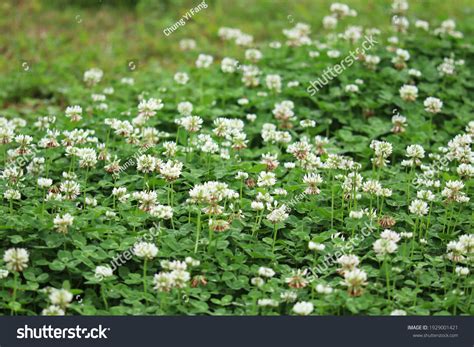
198,231
104,298
15,285
144,275
275,230
85,186
332,202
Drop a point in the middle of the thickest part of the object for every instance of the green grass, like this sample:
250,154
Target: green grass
58,40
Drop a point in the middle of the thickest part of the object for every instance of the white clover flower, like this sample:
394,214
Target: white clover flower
187,44
87,157
145,250
447,67
267,302
174,265
242,175
103,271
91,201
12,194
204,61
348,262
275,45
462,271
257,281
12,174
16,259
251,117
62,223
414,73
229,65
329,22
324,289
372,187
170,148
402,54
391,235
408,92
266,179
356,214
185,108
288,296
192,262
400,23
146,199
148,108
351,88
314,246
298,35
425,195
415,153
254,55
44,182
355,280
384,246
121,194
293,84
398,313
60,297
3,273
257,205
421,24
163,281
181,77
313,181
273,82
340,10
278,215
128,81
74,113
333,53
465,170
171,170
418,207
433,105
93,76
303,308
382,151
161,211
191,123
53,310
146,163
399,6
180,278
266,272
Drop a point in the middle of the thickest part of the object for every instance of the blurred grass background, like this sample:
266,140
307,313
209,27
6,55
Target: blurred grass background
59,39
